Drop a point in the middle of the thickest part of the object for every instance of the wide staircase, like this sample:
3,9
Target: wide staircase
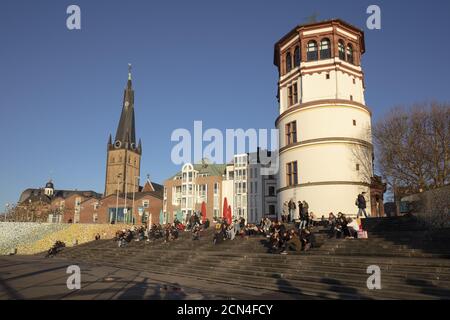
413,260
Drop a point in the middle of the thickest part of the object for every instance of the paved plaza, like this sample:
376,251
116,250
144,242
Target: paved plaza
33,277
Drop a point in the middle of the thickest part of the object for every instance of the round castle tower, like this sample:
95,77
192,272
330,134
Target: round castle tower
324,125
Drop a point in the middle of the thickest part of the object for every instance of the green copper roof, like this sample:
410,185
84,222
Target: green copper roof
209,169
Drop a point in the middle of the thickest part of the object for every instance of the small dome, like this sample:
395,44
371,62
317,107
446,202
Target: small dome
49,185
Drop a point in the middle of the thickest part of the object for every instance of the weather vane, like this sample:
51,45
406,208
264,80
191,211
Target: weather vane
312,18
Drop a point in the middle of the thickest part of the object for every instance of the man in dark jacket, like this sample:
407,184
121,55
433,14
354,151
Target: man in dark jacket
303,216
361,203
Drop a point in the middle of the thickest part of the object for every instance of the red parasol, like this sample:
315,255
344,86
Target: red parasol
225,208
203,212
229,215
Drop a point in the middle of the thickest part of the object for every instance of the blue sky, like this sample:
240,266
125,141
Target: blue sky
192,60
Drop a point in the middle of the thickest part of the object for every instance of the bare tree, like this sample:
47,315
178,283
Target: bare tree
413,147
362,154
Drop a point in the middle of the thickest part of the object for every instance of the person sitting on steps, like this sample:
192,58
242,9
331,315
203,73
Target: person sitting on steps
352,227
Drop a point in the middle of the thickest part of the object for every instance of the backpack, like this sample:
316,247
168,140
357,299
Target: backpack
356,202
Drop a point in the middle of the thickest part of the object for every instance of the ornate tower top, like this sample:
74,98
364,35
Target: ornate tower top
126,131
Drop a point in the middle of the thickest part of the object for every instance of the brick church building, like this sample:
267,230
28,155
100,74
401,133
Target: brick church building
124,200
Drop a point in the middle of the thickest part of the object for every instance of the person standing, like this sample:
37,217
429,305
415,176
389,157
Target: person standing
300,210
292,208
306,209
332,225
361,203
285,211
311,219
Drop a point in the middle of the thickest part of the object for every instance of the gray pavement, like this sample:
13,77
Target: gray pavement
34,277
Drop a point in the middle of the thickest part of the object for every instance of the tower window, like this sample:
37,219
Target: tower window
354,122
354,81
312,53
350,53
351,98
341,48
325,49
288,62
291,132
327,76
295,92
292,94
357,167
297,58
290,97
291,174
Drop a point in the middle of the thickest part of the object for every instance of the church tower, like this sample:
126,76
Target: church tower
324,124
124,154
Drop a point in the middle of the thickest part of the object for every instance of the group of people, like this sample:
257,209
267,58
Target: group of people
194,222
57,247
156,231
300,211
291,214
168,232
283,240
238,228
342,226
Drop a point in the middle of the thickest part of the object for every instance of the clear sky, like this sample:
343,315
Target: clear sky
61,91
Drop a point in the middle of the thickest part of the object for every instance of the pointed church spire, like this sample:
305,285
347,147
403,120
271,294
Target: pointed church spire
126,133
140,146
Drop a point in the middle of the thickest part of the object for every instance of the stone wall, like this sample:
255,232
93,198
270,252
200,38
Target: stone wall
32,238
14,234
432,206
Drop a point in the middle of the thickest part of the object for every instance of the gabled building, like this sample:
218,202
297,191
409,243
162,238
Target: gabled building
249,191
250,194
185,192
52,205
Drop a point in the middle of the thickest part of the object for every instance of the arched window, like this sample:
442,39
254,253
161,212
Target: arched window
312,53
288,62
297,58
341,48
325,49
350,53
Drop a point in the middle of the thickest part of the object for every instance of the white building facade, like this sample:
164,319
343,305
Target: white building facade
250,194
325,139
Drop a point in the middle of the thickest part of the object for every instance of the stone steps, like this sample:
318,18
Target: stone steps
413,264
319,288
